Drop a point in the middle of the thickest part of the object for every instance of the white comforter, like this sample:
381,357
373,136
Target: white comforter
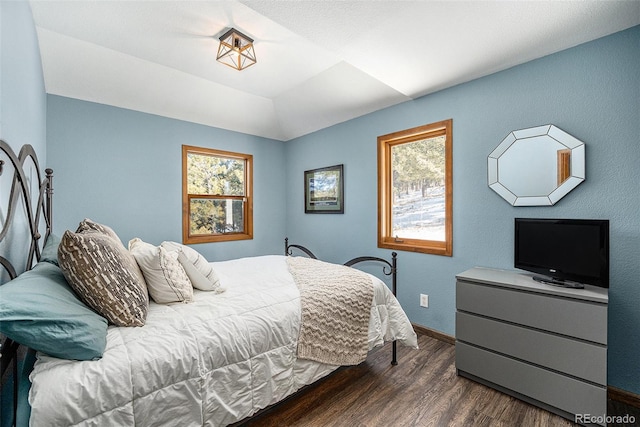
212,362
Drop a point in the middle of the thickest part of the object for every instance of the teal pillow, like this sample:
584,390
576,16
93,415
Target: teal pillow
50,250
39,310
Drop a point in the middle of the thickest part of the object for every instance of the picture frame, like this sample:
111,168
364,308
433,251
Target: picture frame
324,190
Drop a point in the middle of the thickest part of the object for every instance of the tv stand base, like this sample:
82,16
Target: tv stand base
558,282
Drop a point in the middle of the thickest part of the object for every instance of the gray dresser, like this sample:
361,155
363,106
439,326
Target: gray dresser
543,344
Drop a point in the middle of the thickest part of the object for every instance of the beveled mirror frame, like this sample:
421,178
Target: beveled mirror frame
569,161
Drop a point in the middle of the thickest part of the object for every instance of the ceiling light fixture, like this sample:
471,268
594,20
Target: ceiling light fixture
236,50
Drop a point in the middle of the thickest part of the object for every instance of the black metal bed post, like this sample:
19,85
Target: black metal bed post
49,204
394,278
288,249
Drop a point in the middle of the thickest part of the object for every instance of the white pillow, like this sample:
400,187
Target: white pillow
200,272
166,279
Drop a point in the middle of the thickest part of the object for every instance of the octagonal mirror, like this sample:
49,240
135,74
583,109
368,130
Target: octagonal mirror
536,166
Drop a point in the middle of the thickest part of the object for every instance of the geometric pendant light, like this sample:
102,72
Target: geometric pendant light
236,50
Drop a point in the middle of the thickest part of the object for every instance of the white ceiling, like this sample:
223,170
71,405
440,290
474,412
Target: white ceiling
319,62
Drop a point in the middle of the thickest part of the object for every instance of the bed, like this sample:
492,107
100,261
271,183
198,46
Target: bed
212,354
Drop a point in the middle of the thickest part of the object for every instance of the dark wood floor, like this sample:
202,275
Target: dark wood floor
423,390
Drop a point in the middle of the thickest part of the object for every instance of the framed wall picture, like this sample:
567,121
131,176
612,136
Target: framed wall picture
324,190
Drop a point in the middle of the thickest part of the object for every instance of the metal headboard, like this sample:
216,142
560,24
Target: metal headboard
22,195
20,191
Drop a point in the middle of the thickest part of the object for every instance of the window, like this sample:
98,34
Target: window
217,203
415,189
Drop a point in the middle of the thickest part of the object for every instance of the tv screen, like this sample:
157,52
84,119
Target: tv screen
567,252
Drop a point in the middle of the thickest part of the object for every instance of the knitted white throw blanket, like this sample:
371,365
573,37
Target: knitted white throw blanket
336,306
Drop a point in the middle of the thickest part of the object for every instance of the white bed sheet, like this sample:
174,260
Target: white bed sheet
212,362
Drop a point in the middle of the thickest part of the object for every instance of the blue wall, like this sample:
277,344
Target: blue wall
22,93
591,91
124,169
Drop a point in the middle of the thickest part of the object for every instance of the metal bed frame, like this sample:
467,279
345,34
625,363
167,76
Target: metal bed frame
36,215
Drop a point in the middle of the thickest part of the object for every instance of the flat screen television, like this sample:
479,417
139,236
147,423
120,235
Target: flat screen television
565,252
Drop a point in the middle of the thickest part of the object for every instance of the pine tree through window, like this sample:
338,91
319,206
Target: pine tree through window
415,189
216,195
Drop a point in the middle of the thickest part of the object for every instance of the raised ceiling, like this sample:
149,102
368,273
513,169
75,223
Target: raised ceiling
319,62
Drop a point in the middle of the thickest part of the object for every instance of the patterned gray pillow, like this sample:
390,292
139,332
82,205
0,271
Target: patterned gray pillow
105,276
87,225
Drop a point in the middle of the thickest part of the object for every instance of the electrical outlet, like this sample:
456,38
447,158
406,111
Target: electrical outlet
424,300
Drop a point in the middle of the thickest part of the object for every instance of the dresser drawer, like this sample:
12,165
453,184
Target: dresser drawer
573,357
565,393
566,316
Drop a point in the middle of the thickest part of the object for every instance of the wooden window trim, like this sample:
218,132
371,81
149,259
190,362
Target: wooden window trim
385,193
187,238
